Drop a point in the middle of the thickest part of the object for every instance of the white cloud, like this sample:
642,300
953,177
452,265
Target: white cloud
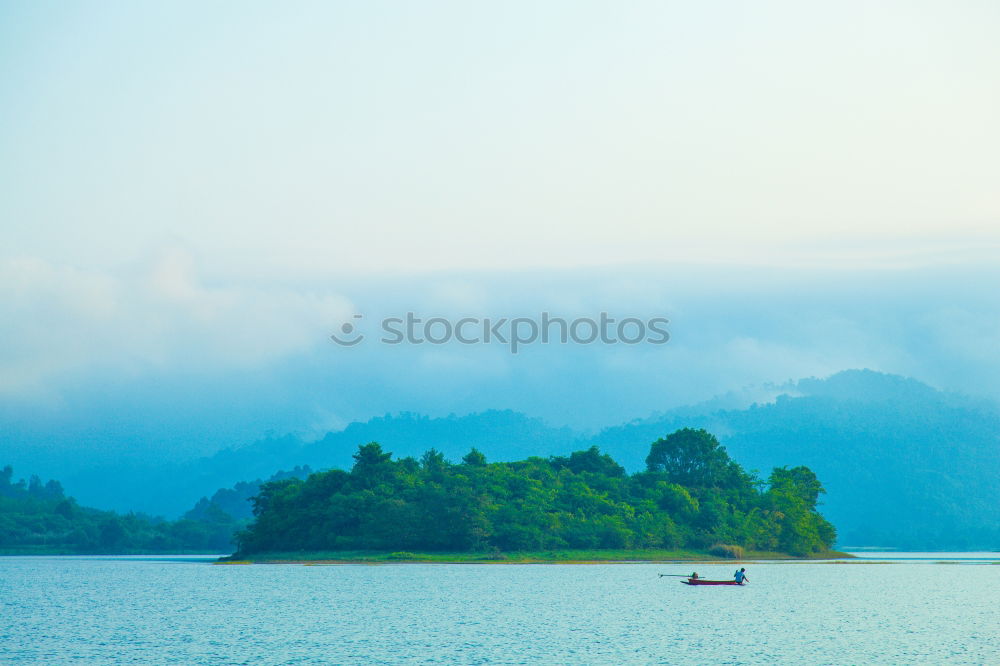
57,319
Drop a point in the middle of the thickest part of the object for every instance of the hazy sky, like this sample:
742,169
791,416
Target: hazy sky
331,137
195,194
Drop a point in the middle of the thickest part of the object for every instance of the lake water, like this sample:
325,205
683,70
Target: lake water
909,609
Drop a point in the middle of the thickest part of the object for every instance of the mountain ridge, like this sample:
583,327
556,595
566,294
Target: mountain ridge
905,464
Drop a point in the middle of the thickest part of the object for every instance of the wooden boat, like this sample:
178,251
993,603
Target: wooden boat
702,581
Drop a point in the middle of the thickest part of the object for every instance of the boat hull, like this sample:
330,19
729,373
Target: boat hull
701,581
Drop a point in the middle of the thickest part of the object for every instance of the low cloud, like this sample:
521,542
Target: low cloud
171,361
58,320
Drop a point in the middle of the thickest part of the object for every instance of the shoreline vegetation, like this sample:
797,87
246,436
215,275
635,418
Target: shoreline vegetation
568,556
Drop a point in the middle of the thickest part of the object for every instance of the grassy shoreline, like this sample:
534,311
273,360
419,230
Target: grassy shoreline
538,557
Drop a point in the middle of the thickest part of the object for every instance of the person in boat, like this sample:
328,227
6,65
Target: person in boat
741,576
694,576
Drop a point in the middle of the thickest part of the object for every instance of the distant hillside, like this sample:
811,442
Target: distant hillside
904,465
233,504
499,434
37,518
171,490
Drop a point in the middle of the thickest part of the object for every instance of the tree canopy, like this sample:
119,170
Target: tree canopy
692,495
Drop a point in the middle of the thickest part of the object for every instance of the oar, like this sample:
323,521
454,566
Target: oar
675,575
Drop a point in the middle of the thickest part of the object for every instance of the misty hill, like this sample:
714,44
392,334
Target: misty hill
904,465
37,518
502,435
233,504
499,434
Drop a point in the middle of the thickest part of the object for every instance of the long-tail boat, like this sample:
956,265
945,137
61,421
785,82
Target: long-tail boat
702,581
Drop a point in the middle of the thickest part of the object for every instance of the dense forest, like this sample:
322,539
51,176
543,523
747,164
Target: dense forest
691,495
37,517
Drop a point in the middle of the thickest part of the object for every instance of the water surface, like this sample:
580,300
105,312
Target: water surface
888,608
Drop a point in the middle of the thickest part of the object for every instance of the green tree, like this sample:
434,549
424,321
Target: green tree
474,457
590,460
692,458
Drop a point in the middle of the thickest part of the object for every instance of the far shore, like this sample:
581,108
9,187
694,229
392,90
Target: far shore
539,557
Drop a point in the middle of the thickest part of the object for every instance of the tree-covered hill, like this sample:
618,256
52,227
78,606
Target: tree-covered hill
170,489
907,466
38,517
691,495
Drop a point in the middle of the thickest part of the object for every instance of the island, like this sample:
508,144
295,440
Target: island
692,501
